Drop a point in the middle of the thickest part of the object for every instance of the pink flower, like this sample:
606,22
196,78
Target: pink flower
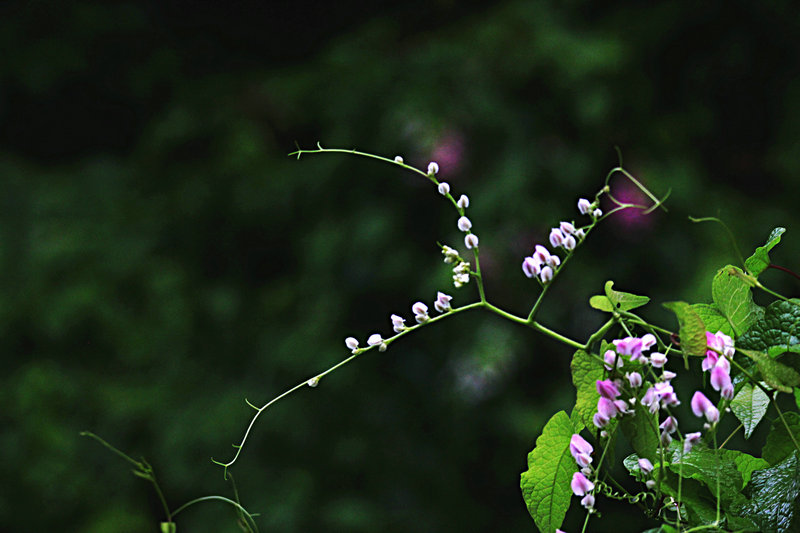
691,440
566,228
584,206
648,341
607,389
606,408
541,254
720,379
629,346
645,466
658,359
580,485
588,501
600,420
580,450
702,406
669,425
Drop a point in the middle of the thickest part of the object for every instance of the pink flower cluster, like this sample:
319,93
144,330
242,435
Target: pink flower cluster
717,361
581,486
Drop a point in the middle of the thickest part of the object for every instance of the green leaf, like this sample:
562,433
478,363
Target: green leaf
780,326
665,528
714,468
692,328
734,299
623,301
797,397
601,303
776,375
759,261
779,444
546,484
774,503
641,431
713,319
586,371
746,464
750,405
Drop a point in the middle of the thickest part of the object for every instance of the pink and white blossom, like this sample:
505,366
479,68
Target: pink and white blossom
580,485
702,406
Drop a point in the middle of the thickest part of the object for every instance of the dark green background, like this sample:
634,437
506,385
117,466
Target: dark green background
163,258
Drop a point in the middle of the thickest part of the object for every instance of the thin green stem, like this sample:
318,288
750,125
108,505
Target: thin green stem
731,435
321,150
250,522
600,333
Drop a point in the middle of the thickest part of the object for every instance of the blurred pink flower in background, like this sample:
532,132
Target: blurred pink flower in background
448,151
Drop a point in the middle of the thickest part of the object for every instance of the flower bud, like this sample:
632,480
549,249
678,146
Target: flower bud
553,261
648,341
556,238
569,242
442,303
419,308
464,224
450,255
541,254
352,343
580,485
398,159
645,466
610,357
635,379
531,267
658,359
444,188
588,501
566,228
650,483
584,206
600,420
463,202
398,323
374,339
597,213
471,241
670,424
313,382
382,347
433,168
666,375
546,274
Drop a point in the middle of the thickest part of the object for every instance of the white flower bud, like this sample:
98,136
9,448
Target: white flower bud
650,483
433,168
556,238
546,274
597,213
580,233
471,241
450,255
398,323
351,342
313,382
464,224
398,159
566,228
444,188
374,339
569,242
463,202
419,308
553,261
382,347
584,206
442,303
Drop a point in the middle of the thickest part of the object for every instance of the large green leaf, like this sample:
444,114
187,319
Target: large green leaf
586,371
716,469
692,328
774,502
777,375
780,326
546,484
713,319
779,443
759,261
750,405
733,297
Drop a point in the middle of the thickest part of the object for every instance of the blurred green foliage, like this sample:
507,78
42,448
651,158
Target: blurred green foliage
163,259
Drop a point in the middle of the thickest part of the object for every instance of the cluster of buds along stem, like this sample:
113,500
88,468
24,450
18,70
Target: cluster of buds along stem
420,310
589,208
581,485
